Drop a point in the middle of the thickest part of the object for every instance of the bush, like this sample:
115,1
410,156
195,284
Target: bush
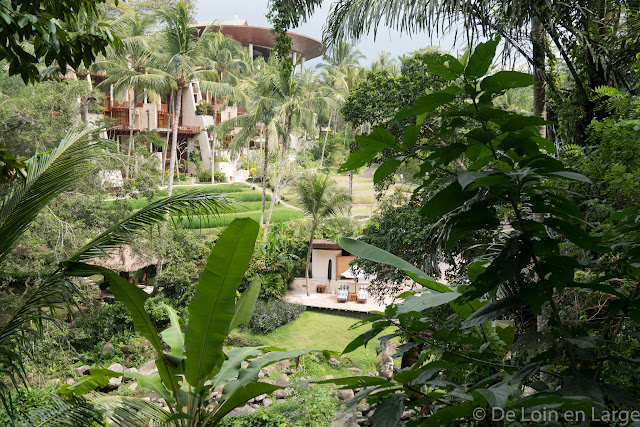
98,324
205,176
268,315
204,108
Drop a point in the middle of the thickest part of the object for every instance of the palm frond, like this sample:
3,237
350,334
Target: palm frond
48,174
73,412
185,204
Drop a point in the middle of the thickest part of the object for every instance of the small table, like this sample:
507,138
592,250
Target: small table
352,297
321,289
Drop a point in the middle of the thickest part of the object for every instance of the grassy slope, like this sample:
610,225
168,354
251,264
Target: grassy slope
322,331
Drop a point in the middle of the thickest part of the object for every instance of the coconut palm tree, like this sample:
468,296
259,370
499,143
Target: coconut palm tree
320,198
384,61
131,69
294,98
341,55
183,62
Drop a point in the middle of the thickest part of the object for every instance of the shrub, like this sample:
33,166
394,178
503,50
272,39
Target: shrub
205,176
268,315
204,108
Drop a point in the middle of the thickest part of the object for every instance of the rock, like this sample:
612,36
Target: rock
69,381
328,377
283,364
345,419
53,381
255,406
133,386
131,371
265,381
267,370
385,365
240,411
116,367
282,393
108,348
280,401
260,374
148,368
333,361
83,370
244,364
267,402
356,370
114,383
406,415
218,389
127,349
364,408
147,398
345,394
370,413
282,381
260,398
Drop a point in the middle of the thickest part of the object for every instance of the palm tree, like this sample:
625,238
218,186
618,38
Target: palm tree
320,198
293,98
386,62
131,68
183,62
341,56
46,176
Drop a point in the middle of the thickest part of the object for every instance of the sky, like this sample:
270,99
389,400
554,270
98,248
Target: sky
387,39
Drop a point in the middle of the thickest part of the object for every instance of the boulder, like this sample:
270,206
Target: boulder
260,397
108,348
244,364
282,393
282,381
345,419
148,368
333,361
241,411
267,402
53,381
328,377
260,374
127,348
69,381
114,383
345,394
116,367
283,364
356,370
83,370
133,386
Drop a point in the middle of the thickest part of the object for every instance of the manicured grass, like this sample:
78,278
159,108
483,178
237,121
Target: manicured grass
321,331
280,213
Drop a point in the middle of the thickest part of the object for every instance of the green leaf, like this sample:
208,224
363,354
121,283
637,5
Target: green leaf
481,59
211,310
496,396
246,303
446,67
362,340
372,253
426,300
505,329
574,176
445,200
425,105
491,311
518,122
476,268
231,367
153,382
410,136
385,169
505,80
173,335
388,413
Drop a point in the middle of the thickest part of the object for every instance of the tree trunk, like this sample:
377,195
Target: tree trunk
539,89
325,140
276,189
264,173
306,270
132,106
213,142
174,140
84,109
353,137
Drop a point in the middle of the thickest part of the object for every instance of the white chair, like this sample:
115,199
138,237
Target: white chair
363,294
343,293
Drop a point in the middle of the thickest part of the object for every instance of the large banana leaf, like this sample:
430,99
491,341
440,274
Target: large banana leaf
48,175
212,307
245,304
133,298
173,335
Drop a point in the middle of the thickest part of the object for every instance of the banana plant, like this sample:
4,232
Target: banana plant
196,363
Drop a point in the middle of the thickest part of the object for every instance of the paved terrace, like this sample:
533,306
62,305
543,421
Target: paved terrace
329,300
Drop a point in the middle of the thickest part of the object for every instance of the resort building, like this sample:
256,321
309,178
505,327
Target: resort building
192,127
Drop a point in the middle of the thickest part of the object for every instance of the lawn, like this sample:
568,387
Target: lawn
244,202
322,331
